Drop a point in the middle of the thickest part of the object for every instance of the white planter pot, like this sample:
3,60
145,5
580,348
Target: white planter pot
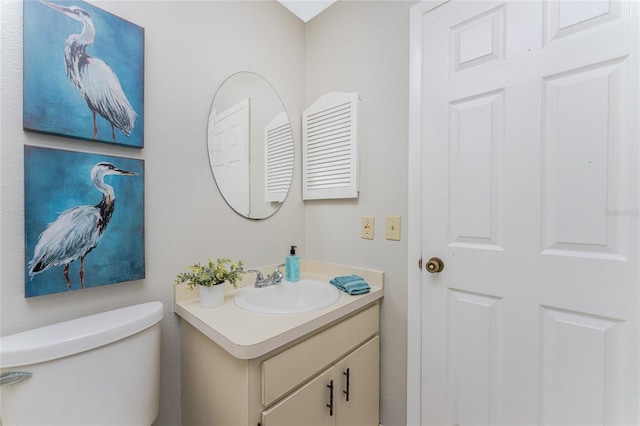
211,297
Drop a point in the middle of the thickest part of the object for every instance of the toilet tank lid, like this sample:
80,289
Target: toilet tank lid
77,335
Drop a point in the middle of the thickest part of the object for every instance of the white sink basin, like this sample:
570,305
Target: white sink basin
287,298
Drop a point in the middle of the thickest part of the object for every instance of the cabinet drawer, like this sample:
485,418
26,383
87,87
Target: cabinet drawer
289,369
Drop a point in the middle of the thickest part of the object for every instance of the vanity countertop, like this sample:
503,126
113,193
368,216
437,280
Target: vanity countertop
247,335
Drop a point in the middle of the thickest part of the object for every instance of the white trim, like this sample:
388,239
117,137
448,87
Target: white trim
414,290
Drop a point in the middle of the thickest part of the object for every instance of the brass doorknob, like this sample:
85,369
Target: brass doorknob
434,265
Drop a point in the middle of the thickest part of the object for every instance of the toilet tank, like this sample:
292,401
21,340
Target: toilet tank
102,369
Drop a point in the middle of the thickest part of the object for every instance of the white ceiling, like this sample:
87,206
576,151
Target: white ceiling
306,9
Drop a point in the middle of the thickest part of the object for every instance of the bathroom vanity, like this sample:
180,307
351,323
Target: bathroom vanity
314,368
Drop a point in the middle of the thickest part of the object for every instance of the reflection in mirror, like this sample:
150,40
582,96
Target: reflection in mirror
250,144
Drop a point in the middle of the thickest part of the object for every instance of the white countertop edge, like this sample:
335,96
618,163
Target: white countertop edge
273,342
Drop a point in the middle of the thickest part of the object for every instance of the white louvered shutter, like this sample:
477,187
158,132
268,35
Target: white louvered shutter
329,147
278,158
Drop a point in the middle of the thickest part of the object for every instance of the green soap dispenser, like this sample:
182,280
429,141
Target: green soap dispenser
292,266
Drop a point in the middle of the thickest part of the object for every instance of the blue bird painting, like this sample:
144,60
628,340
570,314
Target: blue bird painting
96,60
95,80
77,230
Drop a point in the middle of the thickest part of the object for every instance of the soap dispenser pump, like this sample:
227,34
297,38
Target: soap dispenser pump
292,266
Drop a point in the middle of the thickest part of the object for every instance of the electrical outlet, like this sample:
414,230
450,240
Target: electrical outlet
367,227
393,228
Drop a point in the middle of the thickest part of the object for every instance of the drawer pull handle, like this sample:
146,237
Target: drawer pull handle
330,404
346,392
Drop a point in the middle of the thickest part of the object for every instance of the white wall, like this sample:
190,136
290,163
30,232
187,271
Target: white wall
191,47
363,46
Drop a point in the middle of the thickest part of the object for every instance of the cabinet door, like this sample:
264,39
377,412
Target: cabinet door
360,371
307,406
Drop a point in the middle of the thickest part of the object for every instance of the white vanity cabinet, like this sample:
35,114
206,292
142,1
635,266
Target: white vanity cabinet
346,394
289,385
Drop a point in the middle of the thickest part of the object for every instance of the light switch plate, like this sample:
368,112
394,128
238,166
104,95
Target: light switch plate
367,227
393,228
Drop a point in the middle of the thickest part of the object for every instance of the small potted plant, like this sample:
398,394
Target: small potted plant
210,278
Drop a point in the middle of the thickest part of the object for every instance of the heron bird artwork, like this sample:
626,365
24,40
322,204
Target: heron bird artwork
94,62
76,231
95,80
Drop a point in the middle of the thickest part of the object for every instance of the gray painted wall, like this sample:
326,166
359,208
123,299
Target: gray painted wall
363,46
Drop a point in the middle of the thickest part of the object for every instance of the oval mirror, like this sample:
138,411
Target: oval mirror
250,145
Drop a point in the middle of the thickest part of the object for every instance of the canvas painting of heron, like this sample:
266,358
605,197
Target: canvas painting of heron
83,73
84,220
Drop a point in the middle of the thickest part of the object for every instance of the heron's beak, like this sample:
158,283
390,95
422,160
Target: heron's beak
59,8
125,172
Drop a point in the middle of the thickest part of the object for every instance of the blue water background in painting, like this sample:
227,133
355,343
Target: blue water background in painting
51,103
57,180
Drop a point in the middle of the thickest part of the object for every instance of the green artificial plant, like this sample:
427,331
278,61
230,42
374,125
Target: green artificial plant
212,273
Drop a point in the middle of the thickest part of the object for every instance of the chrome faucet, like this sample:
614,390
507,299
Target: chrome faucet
275,278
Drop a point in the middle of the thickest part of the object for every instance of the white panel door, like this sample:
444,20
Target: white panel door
529,156
229,154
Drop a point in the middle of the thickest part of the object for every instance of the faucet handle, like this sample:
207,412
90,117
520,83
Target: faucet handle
259,276
277,274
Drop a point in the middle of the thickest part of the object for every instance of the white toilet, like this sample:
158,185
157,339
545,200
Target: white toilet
102,369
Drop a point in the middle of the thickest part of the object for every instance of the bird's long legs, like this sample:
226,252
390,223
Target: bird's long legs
95,127
66,275
82,271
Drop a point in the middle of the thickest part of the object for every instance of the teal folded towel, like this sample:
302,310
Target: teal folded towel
352,284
